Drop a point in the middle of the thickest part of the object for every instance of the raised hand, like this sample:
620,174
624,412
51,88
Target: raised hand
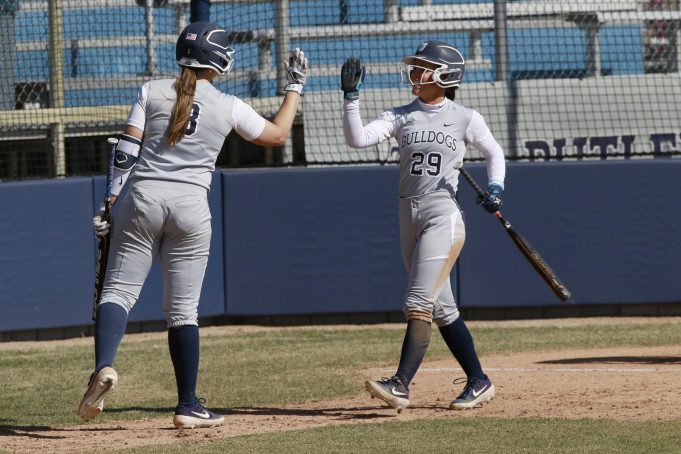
352,77
296,71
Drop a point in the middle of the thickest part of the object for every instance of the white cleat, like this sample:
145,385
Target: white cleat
92,403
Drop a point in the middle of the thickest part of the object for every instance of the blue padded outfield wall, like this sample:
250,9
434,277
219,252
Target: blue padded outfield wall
325,240
303,241
609,229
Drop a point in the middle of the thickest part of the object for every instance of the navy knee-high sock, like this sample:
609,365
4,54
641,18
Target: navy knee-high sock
109,329
183,342
460,343
414,348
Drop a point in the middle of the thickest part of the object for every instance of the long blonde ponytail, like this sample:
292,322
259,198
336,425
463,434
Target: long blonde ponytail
185,87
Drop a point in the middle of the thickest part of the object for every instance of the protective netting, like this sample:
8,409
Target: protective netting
554,79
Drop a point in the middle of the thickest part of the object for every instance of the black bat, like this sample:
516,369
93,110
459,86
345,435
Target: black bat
104,242
528,251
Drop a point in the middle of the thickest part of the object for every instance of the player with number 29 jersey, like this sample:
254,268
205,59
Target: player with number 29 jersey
432,141
432,133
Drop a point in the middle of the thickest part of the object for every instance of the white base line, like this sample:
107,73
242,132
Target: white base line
551,369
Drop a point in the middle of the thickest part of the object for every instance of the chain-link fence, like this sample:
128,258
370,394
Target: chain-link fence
553,79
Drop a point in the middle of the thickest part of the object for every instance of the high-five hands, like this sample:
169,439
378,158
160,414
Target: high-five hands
296,71
352,77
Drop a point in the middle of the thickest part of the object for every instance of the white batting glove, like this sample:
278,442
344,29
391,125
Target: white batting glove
101,226
296,71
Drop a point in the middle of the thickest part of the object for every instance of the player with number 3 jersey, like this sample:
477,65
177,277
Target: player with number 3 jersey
174,133
432,134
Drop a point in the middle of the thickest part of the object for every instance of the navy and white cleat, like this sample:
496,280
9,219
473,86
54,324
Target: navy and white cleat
391,391
196,417
476,392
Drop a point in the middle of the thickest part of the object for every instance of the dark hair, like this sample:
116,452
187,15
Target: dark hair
450,93
185,87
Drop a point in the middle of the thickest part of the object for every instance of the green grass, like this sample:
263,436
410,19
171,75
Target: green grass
545,338
273,367
464,435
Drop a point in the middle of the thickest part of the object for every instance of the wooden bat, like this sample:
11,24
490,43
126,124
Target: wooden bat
528,251
105,242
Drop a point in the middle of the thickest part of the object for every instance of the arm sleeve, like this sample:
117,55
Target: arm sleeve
137,116
118,181
247,122
480,136
127,152
360,136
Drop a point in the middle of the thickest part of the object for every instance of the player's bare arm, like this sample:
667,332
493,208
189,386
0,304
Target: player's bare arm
276,131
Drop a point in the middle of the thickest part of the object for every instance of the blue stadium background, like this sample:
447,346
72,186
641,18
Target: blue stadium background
531,51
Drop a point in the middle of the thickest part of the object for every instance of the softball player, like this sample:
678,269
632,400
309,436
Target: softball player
432,134
174,133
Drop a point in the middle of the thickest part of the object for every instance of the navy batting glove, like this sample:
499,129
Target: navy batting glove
492,198
352,77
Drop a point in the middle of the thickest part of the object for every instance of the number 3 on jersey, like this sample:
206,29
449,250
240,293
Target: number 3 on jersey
193,120
431,163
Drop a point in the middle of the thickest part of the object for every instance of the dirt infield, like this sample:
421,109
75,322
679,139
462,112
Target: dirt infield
595,383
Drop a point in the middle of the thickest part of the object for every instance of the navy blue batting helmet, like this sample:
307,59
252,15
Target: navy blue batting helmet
204,45
449,61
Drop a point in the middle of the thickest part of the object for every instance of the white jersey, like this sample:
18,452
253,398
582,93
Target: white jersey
432,140
192,160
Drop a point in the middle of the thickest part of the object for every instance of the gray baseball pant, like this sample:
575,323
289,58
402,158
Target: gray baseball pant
432,234
168,220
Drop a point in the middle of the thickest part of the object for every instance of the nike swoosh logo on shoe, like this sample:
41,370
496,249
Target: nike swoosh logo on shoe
397,393
205,414
479,392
